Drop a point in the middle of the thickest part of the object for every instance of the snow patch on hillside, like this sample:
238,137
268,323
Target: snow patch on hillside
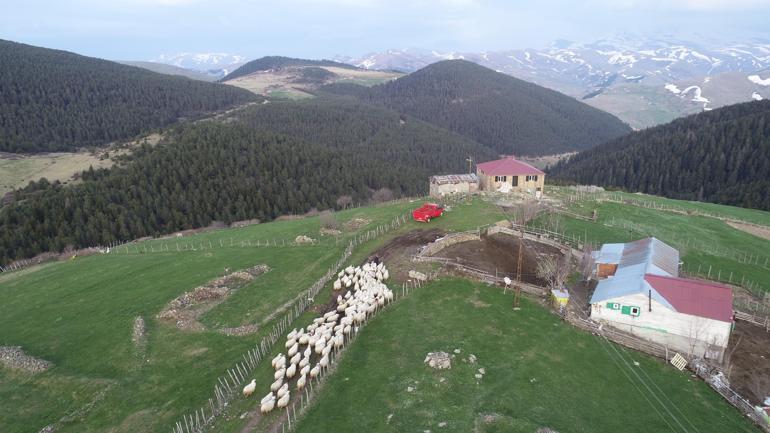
673,88
756,96
756,79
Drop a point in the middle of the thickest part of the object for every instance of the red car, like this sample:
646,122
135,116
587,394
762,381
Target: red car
426,212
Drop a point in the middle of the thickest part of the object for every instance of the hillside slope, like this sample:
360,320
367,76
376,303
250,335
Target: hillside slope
270,160
278,62
720,156
56,100
163,68
508,115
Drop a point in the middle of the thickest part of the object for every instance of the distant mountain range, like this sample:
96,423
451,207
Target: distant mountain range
216,65
635,79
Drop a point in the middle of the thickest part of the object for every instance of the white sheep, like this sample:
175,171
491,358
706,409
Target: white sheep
304,362
275,360
338,285
315,370
324,362
279,373
283,401
305,369
296,358
267,404
275,385
293,349
291,371
301,381
249,389
283,390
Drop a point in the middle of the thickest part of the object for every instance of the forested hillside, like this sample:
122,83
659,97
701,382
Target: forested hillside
273,159
278,62
508,115
721,156
54,100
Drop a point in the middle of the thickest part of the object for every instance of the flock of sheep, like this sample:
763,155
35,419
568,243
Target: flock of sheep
368,293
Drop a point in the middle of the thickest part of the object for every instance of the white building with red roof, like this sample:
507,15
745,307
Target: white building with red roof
646,297
509,174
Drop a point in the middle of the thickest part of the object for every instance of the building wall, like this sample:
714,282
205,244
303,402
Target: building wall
488,183
687,334
438,190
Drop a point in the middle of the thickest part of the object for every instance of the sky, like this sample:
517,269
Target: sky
144,29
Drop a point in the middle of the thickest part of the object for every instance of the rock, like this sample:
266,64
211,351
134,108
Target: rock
409,389
457,350
388,420
442,424
14,357
438,360
417,275
442,380
482,370
478,376
302,239
472,358
50,428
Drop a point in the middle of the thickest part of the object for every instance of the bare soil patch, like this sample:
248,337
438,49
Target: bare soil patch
498,254
399,251
356,223
758,231
749,370
185,309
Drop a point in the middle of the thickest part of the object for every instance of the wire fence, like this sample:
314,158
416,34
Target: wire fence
299,406
228,385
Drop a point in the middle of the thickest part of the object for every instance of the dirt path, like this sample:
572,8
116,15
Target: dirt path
758,231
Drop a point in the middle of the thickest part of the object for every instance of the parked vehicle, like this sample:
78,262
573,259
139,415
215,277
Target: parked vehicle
426,212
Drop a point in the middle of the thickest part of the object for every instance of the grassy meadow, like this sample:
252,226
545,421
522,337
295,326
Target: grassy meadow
539,372
702,241
79,315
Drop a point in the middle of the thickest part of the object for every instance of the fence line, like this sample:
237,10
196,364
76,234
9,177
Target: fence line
229,384
293,414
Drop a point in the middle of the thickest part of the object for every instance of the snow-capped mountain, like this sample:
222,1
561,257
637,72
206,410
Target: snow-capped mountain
214,64
588,71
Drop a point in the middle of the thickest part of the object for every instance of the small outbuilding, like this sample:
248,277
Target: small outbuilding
640,292
509,174
453,184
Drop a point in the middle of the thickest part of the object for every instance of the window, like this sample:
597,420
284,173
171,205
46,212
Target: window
631,311
515,180
531,178
501,178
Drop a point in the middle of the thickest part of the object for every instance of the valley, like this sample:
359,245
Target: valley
480,237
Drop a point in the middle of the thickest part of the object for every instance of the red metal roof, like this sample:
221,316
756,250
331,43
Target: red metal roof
697,298
507,166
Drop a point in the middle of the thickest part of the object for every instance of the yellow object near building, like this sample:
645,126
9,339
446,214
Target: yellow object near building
560,298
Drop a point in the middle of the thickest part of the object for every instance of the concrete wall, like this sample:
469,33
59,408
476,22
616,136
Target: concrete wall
488,183
690,335
441,243
438,190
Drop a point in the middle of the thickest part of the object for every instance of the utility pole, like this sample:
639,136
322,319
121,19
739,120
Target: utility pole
517,287
470,165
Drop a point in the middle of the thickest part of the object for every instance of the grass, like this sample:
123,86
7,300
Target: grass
17,171
79,315
703,242
540,372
